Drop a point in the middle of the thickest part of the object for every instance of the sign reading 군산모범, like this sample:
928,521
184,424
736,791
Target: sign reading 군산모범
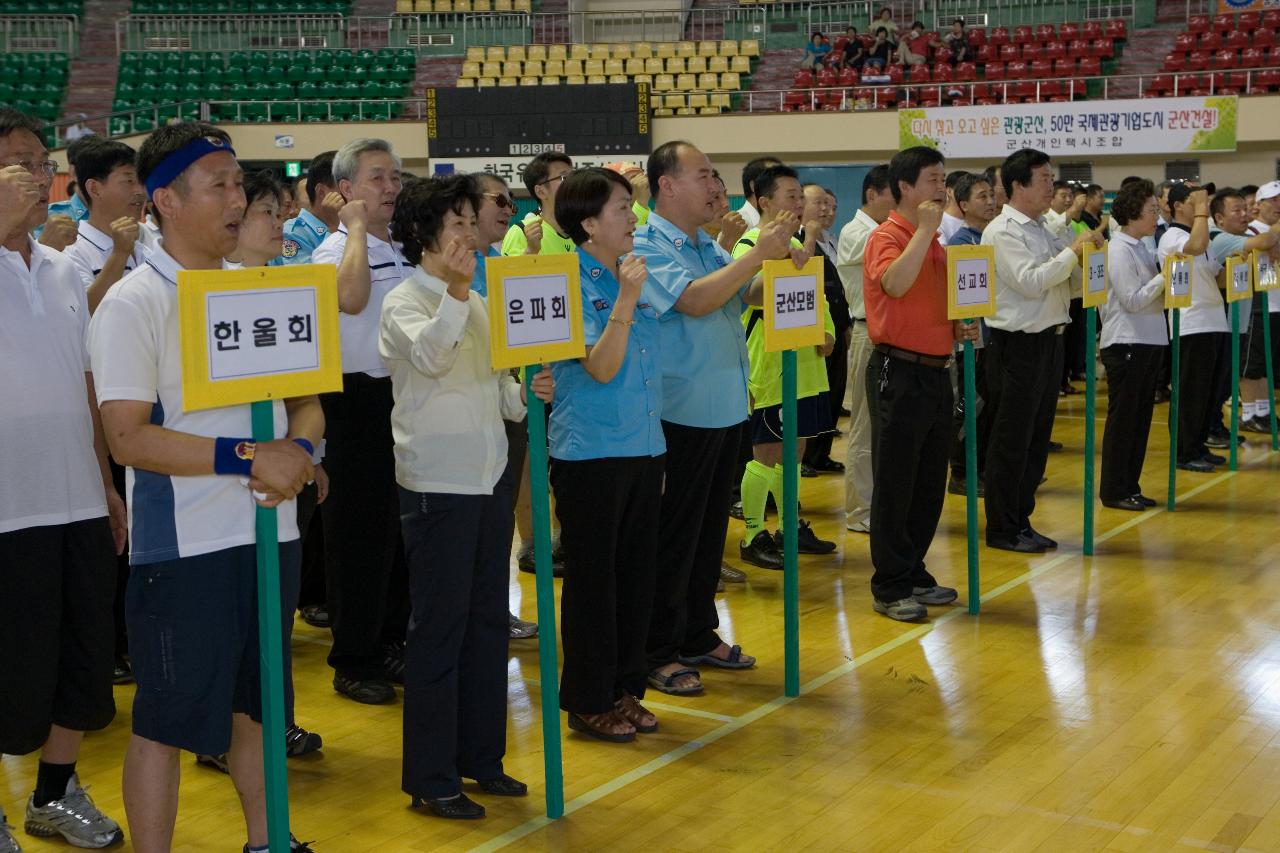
1239,278
1094,291
258,334
795,306
535,309
1177,281
1264,271
971,282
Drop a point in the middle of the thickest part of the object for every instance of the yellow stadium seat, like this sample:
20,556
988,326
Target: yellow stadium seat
675,65
502,5
730,81
481,6
522,6
665,49
600,52
695,64
495,53
707,48
614,66
512,69
536,52
643,78
593,66
575,80
660,113
654,65
707,81
551,81
621,51
579,51
674,102
491,69
508,81
404,7
573,68
642,50
466,83
554,67
664,83
708,111
423,6
749,47
686,82
597,79
557,51
533,68
686,49
634,67
728,47
462,5
530,81
721,100
698,100
470,70
475,54
740,64
686,111
515,53
718,64
619,78
485,81
444,5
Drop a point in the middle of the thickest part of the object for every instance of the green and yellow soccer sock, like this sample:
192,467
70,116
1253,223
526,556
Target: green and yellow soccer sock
756,484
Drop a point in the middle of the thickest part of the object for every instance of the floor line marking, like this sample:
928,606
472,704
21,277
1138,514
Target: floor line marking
655,764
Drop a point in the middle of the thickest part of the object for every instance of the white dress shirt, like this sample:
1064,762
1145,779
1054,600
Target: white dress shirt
1059,225
1134,310
449,401
950,225
749,215
1035,271
848,258
92,248
1207,312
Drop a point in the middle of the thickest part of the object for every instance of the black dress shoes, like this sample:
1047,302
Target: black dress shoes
1020,544
1130,503
1146,501
1214,459
1198,465
1040,539
503,786
460,807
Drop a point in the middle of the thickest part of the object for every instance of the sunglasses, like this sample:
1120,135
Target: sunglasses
502,200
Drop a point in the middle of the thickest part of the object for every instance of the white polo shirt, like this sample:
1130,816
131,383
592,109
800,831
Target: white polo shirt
49,472
136,352
1207,312
387,268
852,246
92,248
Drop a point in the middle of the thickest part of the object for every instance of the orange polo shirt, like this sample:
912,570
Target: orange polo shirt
916,321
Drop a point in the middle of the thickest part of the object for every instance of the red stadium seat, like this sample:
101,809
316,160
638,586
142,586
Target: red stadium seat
999,36
966,72
1091,30
1226,59
1216,80
1200,93
1023,90
1223,23
981,92
994,71
1271,19
1016,70
1209,41
1160,83
1078,47
1253,57
1184,83
1199,61
1031,51
1103,48
1090,66
1064,67
803,79
1269,78
1250,20
920,74
896,75
826,78
1010,52
1051,89
1238,80
1067,32
1175,61
1021,35
1116,29
796,102
1185,42
1053,50
848,77
942,56
1273,56
1238,40
943,73
930,96
1041,68
986,53
977,37
1198,23
1045,32
1264,38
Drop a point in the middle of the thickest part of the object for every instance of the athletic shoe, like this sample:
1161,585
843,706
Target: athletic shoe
217,762
74,817
317,616
526,563
1199,466
122,673
807,542
735,510
957,486
8,841
295,846
518,629
371,691
858,526
393,661
1214,459
903,610
934,595
1256,424
730,574
762,552
298,741
807,470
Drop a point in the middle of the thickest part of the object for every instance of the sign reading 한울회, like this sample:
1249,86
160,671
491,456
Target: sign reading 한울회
1147,126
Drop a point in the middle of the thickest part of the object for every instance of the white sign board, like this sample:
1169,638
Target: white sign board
972,284
537,310
261,332
795,301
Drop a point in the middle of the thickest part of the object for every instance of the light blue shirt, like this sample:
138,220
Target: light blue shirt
965,236
73,207
479,281
621,417
302,235
704,359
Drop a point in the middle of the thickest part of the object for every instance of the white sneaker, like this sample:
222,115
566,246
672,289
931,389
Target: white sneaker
903,610
858,527
8,841
74,817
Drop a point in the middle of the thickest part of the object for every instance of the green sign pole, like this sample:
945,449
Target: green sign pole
1271,376
790,525
1235,381
1090,406
271,654
1175,342
971,471
548,666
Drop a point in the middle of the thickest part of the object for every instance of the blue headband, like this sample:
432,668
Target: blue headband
178,162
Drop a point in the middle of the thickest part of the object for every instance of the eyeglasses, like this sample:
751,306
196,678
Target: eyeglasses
559,177
502,200
47,167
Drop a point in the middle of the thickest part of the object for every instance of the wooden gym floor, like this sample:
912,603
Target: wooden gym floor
1125,702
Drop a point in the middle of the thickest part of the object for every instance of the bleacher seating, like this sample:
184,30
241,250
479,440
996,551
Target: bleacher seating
1219,45
424,7
321,79
34,83
240,7
42,7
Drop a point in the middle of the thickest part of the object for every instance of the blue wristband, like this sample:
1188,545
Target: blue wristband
233,456
306,445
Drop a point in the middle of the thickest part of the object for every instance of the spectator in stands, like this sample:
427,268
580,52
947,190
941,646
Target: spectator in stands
815,52
855,53
957,41
905,288
61,519
305,232
977,202
952,216
880,53
1034,272
111,240
363,552
1132,346
193,556
915,48
79,130
750,211
450,455
700,292
884,21
877,203
1203,329
1231,214
539,232
819,210
992,174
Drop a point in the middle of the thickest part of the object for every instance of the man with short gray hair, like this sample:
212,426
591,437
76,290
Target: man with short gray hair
361,516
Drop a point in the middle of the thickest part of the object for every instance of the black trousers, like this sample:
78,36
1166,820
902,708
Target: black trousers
818,448
455,677
694,520
608,511
122,572
1132,373
983,418
1204,360
1024,370
362,526
1073,341
911,433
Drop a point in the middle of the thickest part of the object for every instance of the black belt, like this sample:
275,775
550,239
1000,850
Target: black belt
859,319
914,357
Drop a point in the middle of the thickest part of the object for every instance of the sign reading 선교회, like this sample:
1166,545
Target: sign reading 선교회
1139,126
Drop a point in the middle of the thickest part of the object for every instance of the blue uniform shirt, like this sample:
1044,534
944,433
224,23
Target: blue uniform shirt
965,236
73,207
302,235
622,417
479,283
704,359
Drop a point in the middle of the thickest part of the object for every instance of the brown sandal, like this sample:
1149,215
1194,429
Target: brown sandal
636,714
603,726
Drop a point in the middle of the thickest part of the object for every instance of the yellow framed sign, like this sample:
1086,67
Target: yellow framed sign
1239,278
252,335
535,309
1264,271
971,282
1094,275
795,305
1177,281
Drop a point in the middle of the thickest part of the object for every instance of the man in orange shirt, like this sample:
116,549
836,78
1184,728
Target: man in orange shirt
909,384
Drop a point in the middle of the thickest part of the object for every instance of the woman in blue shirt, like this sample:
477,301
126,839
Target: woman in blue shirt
607,452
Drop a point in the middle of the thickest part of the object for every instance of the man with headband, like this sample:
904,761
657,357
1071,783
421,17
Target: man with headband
193,479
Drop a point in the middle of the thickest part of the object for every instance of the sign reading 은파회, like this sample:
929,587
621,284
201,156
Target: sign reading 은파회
535,309
971,282
1239,279
1094,291
794,305
1264,271
1177,281
251,335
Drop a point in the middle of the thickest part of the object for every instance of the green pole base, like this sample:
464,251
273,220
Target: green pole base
971,475
790,526
1090,427
1175,342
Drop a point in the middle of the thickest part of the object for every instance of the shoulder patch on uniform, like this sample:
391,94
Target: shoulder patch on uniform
600,304
290,249
595,272
679,242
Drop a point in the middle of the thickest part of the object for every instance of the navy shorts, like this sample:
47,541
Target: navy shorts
193,643
813,417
